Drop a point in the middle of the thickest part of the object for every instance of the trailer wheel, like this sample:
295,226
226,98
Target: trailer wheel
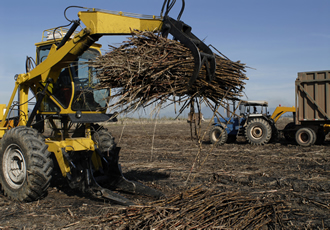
289,133
26,164
218,135
305,137
258,132
104,140
314,136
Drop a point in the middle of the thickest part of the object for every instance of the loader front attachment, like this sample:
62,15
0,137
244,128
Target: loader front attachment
112,177
101,180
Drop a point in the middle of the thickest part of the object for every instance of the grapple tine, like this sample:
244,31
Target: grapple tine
202,54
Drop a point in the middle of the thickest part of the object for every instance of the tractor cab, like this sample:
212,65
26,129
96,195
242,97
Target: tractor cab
253,108
74,88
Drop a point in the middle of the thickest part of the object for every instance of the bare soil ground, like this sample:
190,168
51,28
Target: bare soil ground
164,156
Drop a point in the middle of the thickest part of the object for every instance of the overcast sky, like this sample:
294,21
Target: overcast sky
278,38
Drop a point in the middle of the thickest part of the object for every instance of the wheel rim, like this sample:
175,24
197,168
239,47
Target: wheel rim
256,132
216,135
304,137
14,166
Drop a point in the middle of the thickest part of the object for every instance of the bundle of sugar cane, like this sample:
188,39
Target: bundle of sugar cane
198,208
150,68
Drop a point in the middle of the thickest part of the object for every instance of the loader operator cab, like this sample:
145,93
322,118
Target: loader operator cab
76,79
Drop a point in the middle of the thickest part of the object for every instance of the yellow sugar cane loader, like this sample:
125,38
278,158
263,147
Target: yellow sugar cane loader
68,103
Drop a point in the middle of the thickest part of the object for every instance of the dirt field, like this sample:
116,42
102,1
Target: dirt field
164,156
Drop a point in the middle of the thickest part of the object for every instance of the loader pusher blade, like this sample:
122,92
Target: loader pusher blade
101,185
99,193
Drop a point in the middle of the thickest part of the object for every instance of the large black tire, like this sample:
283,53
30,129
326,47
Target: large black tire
305,137
275,134
314,136
218,135
104,140
26,165
258,131
320,137
289,132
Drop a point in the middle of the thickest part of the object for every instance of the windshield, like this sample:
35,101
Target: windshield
42,53
255,109
86,97
76,78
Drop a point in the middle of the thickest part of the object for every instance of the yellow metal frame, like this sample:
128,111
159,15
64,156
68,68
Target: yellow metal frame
116,24
97,23
279,111
326,128
69,144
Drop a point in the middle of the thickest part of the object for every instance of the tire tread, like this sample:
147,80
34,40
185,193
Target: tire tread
38,163
267,129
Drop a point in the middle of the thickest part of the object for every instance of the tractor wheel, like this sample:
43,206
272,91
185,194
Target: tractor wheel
305,137
289,134
26,164
258,132
218,135
104,140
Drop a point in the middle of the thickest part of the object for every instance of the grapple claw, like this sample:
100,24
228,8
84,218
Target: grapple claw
202,54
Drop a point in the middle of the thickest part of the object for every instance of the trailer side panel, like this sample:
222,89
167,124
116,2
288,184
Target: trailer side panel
313,97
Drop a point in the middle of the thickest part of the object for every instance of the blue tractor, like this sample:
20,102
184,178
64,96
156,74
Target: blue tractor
253,122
